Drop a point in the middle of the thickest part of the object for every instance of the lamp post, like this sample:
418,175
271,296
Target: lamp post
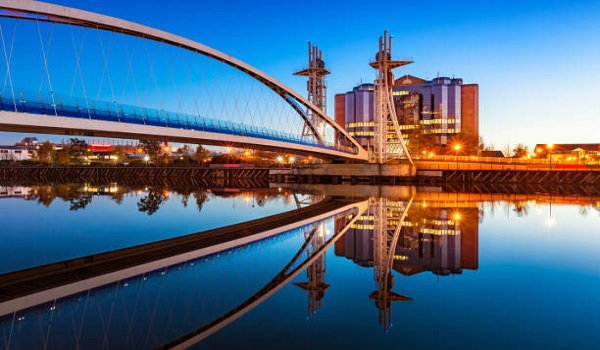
549,147
456,150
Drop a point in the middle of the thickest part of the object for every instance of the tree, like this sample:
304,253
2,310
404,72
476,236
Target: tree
77,150
201,155
185,153
520,151
63,155
419,141
78,147
151,148
119,153
151,202
201,197
80,202
46,153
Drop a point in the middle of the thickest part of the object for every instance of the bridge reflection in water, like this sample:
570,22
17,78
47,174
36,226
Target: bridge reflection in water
175,293
146,286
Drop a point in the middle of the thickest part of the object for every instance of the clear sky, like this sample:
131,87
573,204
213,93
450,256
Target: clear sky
537,63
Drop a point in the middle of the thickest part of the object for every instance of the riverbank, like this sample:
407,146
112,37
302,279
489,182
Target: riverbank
201,176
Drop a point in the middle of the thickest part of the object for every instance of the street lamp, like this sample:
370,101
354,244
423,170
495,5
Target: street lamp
550,147
456,150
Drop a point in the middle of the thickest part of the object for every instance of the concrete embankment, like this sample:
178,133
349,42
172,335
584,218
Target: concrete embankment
420,174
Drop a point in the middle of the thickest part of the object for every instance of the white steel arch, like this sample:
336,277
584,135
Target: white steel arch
34,10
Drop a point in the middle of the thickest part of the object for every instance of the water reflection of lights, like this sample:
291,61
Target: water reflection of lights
550,221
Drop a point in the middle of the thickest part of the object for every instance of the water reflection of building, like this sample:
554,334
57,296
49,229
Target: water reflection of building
441,240
15,192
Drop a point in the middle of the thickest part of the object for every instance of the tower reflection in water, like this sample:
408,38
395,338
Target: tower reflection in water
402,236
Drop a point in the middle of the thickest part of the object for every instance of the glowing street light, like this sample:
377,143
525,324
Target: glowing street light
550,147
456,150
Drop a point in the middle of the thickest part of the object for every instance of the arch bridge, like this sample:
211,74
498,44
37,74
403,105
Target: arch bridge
73,72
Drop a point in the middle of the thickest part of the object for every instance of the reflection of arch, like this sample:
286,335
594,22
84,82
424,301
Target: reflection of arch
278,282
21,290
33,10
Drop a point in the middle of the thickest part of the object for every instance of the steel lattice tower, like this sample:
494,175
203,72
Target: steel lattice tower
316,87
388,141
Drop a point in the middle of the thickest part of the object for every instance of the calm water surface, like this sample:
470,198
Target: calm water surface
466,271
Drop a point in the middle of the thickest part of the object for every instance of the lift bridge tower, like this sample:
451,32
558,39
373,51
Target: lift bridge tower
388,141
316,87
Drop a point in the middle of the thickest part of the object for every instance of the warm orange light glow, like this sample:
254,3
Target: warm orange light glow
550,146
456,146
456,216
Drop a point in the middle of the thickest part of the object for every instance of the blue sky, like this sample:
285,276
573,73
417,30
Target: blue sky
537,63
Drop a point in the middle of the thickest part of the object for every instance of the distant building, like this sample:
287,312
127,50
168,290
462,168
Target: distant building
16,153
15,192
443,107
28,141
354,110
492,154
569,152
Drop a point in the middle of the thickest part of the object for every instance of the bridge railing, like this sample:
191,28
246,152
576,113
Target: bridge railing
115,112
499,160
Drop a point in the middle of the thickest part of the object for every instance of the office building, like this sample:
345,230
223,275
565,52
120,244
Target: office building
443,107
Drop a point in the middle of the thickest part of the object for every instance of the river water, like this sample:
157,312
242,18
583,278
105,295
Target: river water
380,267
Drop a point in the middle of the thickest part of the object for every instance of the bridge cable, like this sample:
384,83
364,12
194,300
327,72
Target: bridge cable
45,56
110,315
152,78
211,113
174,84
195,94
10,333
48,334
78,51
106,71
7,59
130,73
191,87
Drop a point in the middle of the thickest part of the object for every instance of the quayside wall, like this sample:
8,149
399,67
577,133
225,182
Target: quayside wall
240,177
